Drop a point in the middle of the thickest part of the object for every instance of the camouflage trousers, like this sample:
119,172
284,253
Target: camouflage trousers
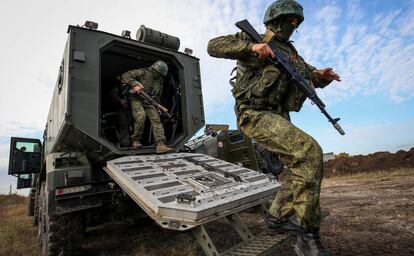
299,194
139,112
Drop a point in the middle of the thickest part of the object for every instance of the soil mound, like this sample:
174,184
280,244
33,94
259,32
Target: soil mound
379,161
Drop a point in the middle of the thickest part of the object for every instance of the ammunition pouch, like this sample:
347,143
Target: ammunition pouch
267,91
294,99
269,76
244,81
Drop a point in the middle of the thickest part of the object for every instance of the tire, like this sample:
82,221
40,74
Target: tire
60,235
35,219
40,211
31,206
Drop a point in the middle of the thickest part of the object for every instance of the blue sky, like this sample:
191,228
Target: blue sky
369,43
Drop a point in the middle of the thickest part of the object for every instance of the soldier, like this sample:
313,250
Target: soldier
121,106
150,80
264,97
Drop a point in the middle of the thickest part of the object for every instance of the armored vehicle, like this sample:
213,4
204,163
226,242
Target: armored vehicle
80,169
233,146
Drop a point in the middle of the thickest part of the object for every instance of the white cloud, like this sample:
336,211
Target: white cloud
205,21
372,54
4,156
354,11
406,23
5,180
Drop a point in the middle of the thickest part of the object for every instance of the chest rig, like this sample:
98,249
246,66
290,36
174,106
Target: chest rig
264,87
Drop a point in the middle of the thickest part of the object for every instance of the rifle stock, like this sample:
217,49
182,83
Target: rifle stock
285,66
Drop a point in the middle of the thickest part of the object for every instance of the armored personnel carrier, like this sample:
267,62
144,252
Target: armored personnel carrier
233,146
80,170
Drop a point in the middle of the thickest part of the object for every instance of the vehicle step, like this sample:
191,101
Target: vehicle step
262,244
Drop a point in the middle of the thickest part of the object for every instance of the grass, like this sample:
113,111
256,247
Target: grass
17,234
381,174
12,199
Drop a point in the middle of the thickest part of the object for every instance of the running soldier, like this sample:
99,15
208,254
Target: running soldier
264,97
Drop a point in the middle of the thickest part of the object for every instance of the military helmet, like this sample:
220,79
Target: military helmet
161,67
282,8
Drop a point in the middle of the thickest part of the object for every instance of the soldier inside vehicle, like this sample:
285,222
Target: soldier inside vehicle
118,100
144,92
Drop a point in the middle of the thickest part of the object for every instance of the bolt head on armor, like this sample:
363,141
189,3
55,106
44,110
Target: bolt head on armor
282,8
161,67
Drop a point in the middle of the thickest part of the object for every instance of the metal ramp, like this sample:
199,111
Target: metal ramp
262,244
183,191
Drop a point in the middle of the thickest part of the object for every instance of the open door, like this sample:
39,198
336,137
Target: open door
24,181
25,157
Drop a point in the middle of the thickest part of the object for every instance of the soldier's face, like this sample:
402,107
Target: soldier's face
285,27
292,20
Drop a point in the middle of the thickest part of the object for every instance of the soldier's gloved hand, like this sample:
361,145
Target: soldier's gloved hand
327,74
137,88
262,50
124,103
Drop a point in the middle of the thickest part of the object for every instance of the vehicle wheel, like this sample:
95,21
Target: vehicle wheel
35,218
31,206
60,235
40,210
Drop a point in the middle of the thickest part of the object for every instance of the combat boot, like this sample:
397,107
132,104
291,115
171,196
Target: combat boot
277,226
162,148
309,244
136,144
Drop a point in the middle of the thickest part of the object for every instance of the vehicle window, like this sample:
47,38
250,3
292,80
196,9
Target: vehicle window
30,147
24,176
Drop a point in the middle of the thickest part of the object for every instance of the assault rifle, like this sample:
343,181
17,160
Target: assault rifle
148,98
284,64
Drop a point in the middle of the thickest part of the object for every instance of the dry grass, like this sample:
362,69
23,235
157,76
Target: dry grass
381,174
17,234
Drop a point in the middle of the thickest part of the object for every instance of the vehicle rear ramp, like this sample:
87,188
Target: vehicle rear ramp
183,191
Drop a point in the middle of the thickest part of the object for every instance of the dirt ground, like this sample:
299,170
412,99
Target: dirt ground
370,214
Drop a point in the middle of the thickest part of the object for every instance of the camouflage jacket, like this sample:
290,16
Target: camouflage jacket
116,96
152,86
259,86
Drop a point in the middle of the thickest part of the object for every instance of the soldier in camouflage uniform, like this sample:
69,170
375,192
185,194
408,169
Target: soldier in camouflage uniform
150,80
264,97
121,107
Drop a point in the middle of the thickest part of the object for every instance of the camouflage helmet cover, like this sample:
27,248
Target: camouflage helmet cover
161,67
282,8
